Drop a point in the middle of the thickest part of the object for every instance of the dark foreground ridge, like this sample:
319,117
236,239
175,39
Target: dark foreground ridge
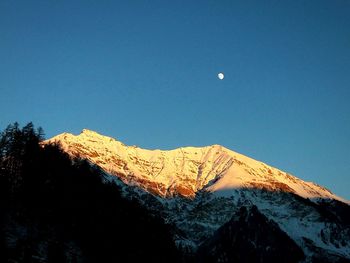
250,237
54,209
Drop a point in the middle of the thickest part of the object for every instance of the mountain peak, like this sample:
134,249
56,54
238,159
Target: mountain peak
91,133
87,131
184,171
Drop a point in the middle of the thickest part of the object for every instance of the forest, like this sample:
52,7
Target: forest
57,209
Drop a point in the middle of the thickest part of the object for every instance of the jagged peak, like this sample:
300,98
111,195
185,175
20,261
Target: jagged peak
186,169
92,133
87,131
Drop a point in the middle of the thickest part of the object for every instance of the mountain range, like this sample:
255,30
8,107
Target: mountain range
224,206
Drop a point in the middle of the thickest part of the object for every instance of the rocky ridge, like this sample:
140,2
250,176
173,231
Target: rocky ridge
184,171
199,189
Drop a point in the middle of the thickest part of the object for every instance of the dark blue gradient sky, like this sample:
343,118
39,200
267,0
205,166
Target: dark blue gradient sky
145,72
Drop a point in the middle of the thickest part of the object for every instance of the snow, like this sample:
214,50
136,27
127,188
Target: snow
298,221
230,179
214,168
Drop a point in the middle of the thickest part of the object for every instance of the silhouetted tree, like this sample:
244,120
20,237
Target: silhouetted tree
49,200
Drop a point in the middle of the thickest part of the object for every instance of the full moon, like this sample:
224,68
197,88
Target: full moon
221,75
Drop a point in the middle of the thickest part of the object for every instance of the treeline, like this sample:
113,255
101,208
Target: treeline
55,209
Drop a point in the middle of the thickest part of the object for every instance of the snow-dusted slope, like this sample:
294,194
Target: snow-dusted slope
186,170
198,189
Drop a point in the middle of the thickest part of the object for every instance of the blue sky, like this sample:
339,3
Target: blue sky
145,72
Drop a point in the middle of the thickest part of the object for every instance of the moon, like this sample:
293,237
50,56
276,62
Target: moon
221,76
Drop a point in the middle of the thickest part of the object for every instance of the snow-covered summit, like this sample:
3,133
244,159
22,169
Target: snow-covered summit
184,171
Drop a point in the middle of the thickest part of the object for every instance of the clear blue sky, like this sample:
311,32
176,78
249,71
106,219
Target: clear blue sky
145,72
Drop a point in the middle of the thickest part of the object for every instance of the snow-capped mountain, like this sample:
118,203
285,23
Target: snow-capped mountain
200,189
186,170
